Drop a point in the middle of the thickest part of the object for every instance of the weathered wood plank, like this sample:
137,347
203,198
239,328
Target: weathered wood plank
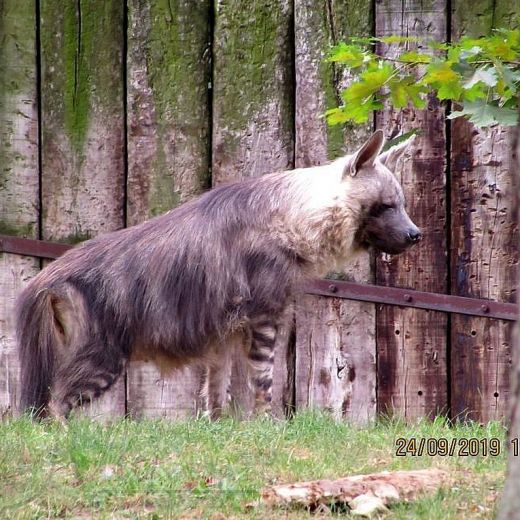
168,75
484,241
412,380
83,129
19,192
335,354
253,100
253,121
335,339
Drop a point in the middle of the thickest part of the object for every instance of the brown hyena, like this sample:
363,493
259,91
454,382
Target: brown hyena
183,285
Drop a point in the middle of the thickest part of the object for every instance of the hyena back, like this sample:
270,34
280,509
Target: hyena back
184,284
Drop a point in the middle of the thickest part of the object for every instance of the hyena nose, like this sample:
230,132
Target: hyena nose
414,236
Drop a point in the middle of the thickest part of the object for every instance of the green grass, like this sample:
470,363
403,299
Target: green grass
198,469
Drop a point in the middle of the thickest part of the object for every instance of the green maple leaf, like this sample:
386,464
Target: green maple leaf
450,90
336,116
357,92
359,113
483,73
486,75
415,57
470,52
371,80
415,93
438,46
405,90
440,72
398,95
467,44
400,139
510,76
377,75
501,47
454,54
398,39
475,92
482,114
350,55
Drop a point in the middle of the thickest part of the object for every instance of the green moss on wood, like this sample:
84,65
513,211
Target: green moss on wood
252,62
18,216
163,194
74,238
22,230
340,22
479,17
81,46
335,134
179,75
76,41
177,53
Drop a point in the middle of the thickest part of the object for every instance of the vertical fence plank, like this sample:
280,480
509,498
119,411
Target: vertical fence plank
253,119
19,195
412,380
335,338
484,240
83,130
253,84
168,153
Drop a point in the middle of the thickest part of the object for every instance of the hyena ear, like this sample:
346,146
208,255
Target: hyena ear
366,155
393,154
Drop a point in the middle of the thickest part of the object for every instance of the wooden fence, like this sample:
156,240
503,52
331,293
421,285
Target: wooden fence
112,112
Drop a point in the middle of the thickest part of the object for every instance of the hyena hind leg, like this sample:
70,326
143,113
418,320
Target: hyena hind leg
85,377
261,362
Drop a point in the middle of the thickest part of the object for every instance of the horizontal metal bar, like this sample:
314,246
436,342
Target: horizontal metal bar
30,247
410,298
337,289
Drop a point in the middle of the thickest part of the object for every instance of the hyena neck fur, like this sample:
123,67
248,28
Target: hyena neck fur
321,223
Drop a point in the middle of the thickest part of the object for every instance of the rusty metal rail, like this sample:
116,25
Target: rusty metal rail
30,247
418,299
337,289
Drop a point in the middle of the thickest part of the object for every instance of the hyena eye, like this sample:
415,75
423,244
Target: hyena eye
379,209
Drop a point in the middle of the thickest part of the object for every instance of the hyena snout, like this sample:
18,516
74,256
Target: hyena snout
405,233
389,231
413,235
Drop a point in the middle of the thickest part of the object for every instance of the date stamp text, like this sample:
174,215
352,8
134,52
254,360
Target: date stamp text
455,447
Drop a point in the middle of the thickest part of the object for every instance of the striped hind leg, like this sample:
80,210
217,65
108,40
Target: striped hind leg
261,362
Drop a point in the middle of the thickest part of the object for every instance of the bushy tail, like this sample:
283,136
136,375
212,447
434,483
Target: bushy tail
37,341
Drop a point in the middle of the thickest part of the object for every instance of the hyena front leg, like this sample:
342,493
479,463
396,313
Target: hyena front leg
261,362
216,380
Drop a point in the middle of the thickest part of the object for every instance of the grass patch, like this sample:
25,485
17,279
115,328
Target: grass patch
198,469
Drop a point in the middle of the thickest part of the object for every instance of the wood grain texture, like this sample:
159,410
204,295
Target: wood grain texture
335,339
412,373
253,116
253,124
19,192
83,130
335,369
484,241
168,76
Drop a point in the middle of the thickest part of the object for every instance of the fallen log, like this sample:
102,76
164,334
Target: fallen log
363,494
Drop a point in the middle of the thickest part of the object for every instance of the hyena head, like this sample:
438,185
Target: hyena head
383,220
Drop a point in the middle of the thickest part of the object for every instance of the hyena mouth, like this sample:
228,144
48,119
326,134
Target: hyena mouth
367,241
